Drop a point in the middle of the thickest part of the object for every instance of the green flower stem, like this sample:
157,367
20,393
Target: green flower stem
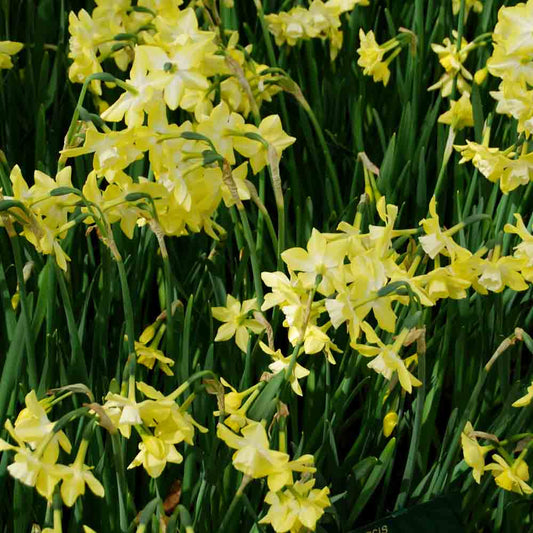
448,150
28,331
77,360
182,388
438,482
128,315
121,482
171,342
57,504
327,156
235,502
415,436
256,272
460,29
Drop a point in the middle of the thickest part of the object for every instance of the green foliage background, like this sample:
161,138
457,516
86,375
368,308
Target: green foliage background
76,333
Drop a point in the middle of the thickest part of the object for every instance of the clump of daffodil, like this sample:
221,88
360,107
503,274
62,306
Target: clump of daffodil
320,20
296,508
170,63
237,322
159,420
42,217
508,168
7,50
37,452
351,277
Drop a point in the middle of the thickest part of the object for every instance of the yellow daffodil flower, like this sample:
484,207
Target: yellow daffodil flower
35,468
460,114
473,453
7,50
386,359
154,454
296,508
524,250
371,56
234,315
148,356
253,457
510,477
76,476
281,363
320,258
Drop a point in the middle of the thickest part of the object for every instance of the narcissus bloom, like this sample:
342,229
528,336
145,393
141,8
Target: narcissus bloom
473,453
8,49
76,476
510,477
253,457
371,56
460,114
154,455
236,321
296,508
281,364
386,359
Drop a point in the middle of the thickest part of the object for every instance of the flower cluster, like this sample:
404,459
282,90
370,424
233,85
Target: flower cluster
37,450
511,62
193,166
293,505
359,277
160,422
510,474
320,20
42,216
452,56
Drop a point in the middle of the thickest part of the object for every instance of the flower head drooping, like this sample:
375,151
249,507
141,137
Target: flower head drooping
372,56
460,114
473,453
76,476
7,50
386,359
510,477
